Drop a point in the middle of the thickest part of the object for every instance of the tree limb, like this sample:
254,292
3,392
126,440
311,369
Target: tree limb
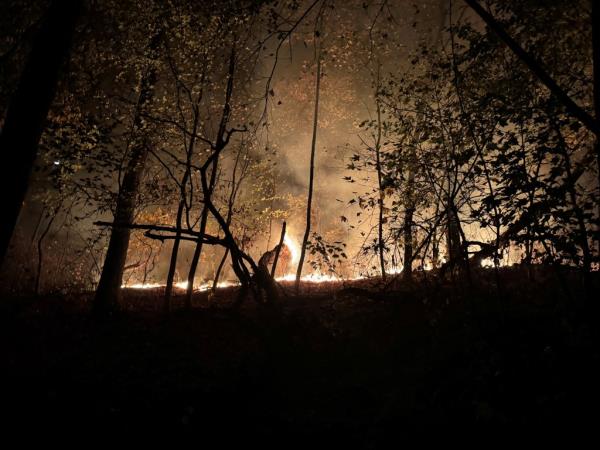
572,108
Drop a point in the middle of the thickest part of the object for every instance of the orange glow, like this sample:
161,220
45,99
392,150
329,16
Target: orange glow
180,285
294,249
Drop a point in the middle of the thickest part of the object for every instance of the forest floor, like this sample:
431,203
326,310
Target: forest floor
336,366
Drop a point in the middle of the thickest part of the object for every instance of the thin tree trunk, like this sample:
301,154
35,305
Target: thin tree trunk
28,109
435,252
596,68
579,215
189,290
207,188
38,224
463,248
381,246
179,221
408,216
270,229
40,255
183,204
220,269
276,259
453,251
108,293
408,245
479,148
232,197
230,203
311,176
198,250
174,254
150,259
237,255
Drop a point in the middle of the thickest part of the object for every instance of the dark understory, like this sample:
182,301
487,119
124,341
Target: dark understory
330,368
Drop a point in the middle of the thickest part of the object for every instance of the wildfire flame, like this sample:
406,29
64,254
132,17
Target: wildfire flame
293,247
294,250
180,285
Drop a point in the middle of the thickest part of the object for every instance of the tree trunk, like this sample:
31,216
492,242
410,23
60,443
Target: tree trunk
220,269
435,252
408,216
189,291
173,261
198,250
108,293
179,221
207,188
40,248
596,68
578,211
237,255
408,244
453,246
279,246
380,246
28,109
311,176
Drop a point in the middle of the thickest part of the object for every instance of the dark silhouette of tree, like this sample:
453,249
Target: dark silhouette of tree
28,109
536,67
311,175
591,123
108,293
380,188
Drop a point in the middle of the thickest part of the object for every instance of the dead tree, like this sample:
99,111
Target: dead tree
192,135
235,186
220,143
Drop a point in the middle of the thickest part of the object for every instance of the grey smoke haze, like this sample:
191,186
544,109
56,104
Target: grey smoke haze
346,98
352,39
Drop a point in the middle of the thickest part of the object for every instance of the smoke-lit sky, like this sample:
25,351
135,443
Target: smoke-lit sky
355,44
355,41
